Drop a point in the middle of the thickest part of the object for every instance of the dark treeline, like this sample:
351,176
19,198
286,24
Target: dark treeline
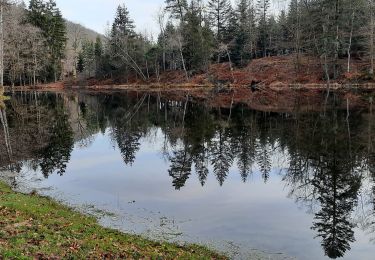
195,34
328,157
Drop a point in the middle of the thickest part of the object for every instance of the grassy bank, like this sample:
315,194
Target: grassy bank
2,98
36,227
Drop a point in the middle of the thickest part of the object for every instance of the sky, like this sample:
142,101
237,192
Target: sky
97,14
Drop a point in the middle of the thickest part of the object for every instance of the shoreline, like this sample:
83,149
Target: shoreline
39,227
186,86
267,98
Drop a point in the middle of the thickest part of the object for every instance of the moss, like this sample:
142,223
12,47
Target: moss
37,227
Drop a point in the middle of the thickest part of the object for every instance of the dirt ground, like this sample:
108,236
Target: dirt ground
268,84
270,71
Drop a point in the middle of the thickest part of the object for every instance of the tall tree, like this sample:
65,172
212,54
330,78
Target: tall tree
47,17
177,8
124,42
243,43
294,29
197,38
262,9
219,13
371,14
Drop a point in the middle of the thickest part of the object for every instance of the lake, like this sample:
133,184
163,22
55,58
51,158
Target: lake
257,185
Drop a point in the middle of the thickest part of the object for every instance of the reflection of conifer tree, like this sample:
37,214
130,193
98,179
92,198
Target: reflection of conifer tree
128,142
337,182
263,149
200,162
337,190
221,155
369,220
323,169
247,151
298,170
180,168
264,159
56,154
199,129
128,129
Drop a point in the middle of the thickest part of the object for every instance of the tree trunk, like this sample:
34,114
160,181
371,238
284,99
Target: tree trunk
298,36
337,42
230,65
350,41
148,73
182,58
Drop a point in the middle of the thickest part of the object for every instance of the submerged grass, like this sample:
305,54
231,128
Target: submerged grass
35,227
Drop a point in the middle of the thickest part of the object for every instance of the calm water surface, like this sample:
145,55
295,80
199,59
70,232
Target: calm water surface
257,185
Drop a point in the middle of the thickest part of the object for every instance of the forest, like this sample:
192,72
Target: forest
336,37
195,35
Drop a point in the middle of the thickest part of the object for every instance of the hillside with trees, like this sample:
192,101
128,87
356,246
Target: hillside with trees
214,41
200,42
77,36
38,45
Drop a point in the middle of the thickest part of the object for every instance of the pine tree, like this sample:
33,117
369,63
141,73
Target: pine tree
123,44
219,14
80,63
293,24
98,47
262,9
123,25
89,58
197,37
282,36
273,36
47,17
98,50
242,46
177,8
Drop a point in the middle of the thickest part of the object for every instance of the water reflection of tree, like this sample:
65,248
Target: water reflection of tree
246,148
128,142
337,194
48,146
324,172
221,155
56,155
201,162
180,168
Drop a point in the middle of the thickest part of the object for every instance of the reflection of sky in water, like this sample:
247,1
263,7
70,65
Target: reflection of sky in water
252,215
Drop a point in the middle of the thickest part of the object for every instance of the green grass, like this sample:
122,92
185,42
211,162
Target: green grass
32,227
2,99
